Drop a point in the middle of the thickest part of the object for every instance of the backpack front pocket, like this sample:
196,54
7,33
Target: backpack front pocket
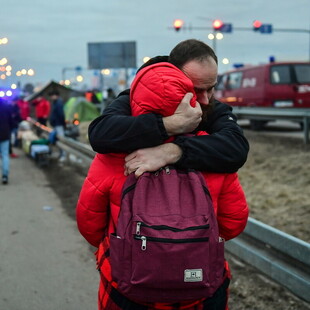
160,261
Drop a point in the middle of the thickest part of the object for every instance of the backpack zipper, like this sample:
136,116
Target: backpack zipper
128,189
164,227
144,239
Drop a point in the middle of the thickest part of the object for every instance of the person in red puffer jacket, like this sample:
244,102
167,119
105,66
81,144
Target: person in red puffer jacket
42,108
157,88
23,107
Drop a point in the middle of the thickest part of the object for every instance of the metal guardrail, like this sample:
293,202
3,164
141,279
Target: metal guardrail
80,150
280,256
269,113
71,146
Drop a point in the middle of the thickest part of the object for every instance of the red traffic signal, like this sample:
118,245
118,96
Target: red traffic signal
217,24
178,23
256,25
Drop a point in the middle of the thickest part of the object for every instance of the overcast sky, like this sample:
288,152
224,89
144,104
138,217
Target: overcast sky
51,35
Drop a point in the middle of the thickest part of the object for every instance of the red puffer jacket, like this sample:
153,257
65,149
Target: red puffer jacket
157,88
100,197
42,107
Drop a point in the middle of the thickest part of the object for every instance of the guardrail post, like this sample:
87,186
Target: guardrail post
306,130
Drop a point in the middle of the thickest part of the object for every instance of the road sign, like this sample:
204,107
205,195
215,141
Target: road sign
226,28
265,28
112,55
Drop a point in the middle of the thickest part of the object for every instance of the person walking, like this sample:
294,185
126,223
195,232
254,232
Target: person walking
57,118
14,141
6,126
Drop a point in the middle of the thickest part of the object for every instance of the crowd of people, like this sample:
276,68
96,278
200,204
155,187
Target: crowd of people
47,110
14,112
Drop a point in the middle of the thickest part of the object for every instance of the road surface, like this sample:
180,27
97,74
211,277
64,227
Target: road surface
44,262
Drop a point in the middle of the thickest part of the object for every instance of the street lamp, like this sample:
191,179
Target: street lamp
30,72
3,61
213,37
79,78
4,41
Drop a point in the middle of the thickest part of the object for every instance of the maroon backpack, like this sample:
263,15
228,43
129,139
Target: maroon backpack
167,246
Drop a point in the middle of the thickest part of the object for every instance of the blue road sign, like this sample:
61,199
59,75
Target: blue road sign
265,28
226,28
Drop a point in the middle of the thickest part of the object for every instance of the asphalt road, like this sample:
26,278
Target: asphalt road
44,262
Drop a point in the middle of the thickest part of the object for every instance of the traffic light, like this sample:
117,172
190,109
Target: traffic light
262,28
178,23
256,25
218,25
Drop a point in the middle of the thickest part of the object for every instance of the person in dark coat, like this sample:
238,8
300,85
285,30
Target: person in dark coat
16,120
224,150
57,117
6,126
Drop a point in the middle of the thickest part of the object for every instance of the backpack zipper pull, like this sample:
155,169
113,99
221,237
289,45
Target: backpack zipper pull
143,246
167,170
138,228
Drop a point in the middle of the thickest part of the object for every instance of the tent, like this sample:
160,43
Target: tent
64,92
81,109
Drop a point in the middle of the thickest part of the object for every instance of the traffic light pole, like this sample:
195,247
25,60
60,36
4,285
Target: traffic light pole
214,42
248,29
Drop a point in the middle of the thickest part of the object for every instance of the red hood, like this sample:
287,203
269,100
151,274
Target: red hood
159,88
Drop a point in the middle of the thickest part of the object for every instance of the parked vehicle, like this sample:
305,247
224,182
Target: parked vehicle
276,84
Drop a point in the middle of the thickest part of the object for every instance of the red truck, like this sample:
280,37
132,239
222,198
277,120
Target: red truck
276,84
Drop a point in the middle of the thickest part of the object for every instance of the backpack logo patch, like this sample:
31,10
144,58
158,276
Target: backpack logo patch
193,275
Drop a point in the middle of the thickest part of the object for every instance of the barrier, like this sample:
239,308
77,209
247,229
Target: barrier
267,113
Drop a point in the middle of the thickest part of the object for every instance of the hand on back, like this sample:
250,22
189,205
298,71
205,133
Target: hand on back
152,159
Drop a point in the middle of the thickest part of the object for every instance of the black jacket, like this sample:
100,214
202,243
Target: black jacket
224,150
57,117
6,120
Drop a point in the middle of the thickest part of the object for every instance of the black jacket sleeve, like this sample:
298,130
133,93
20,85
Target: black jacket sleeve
224,150
117,131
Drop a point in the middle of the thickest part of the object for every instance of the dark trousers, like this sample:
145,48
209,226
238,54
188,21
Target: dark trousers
217,302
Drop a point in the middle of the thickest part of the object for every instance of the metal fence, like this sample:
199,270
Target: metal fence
267,114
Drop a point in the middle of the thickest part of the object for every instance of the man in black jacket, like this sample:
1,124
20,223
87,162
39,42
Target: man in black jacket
6,126
224,150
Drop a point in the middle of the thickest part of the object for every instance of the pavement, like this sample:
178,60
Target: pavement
44,261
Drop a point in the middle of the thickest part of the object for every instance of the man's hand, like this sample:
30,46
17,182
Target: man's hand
152,159
185,119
